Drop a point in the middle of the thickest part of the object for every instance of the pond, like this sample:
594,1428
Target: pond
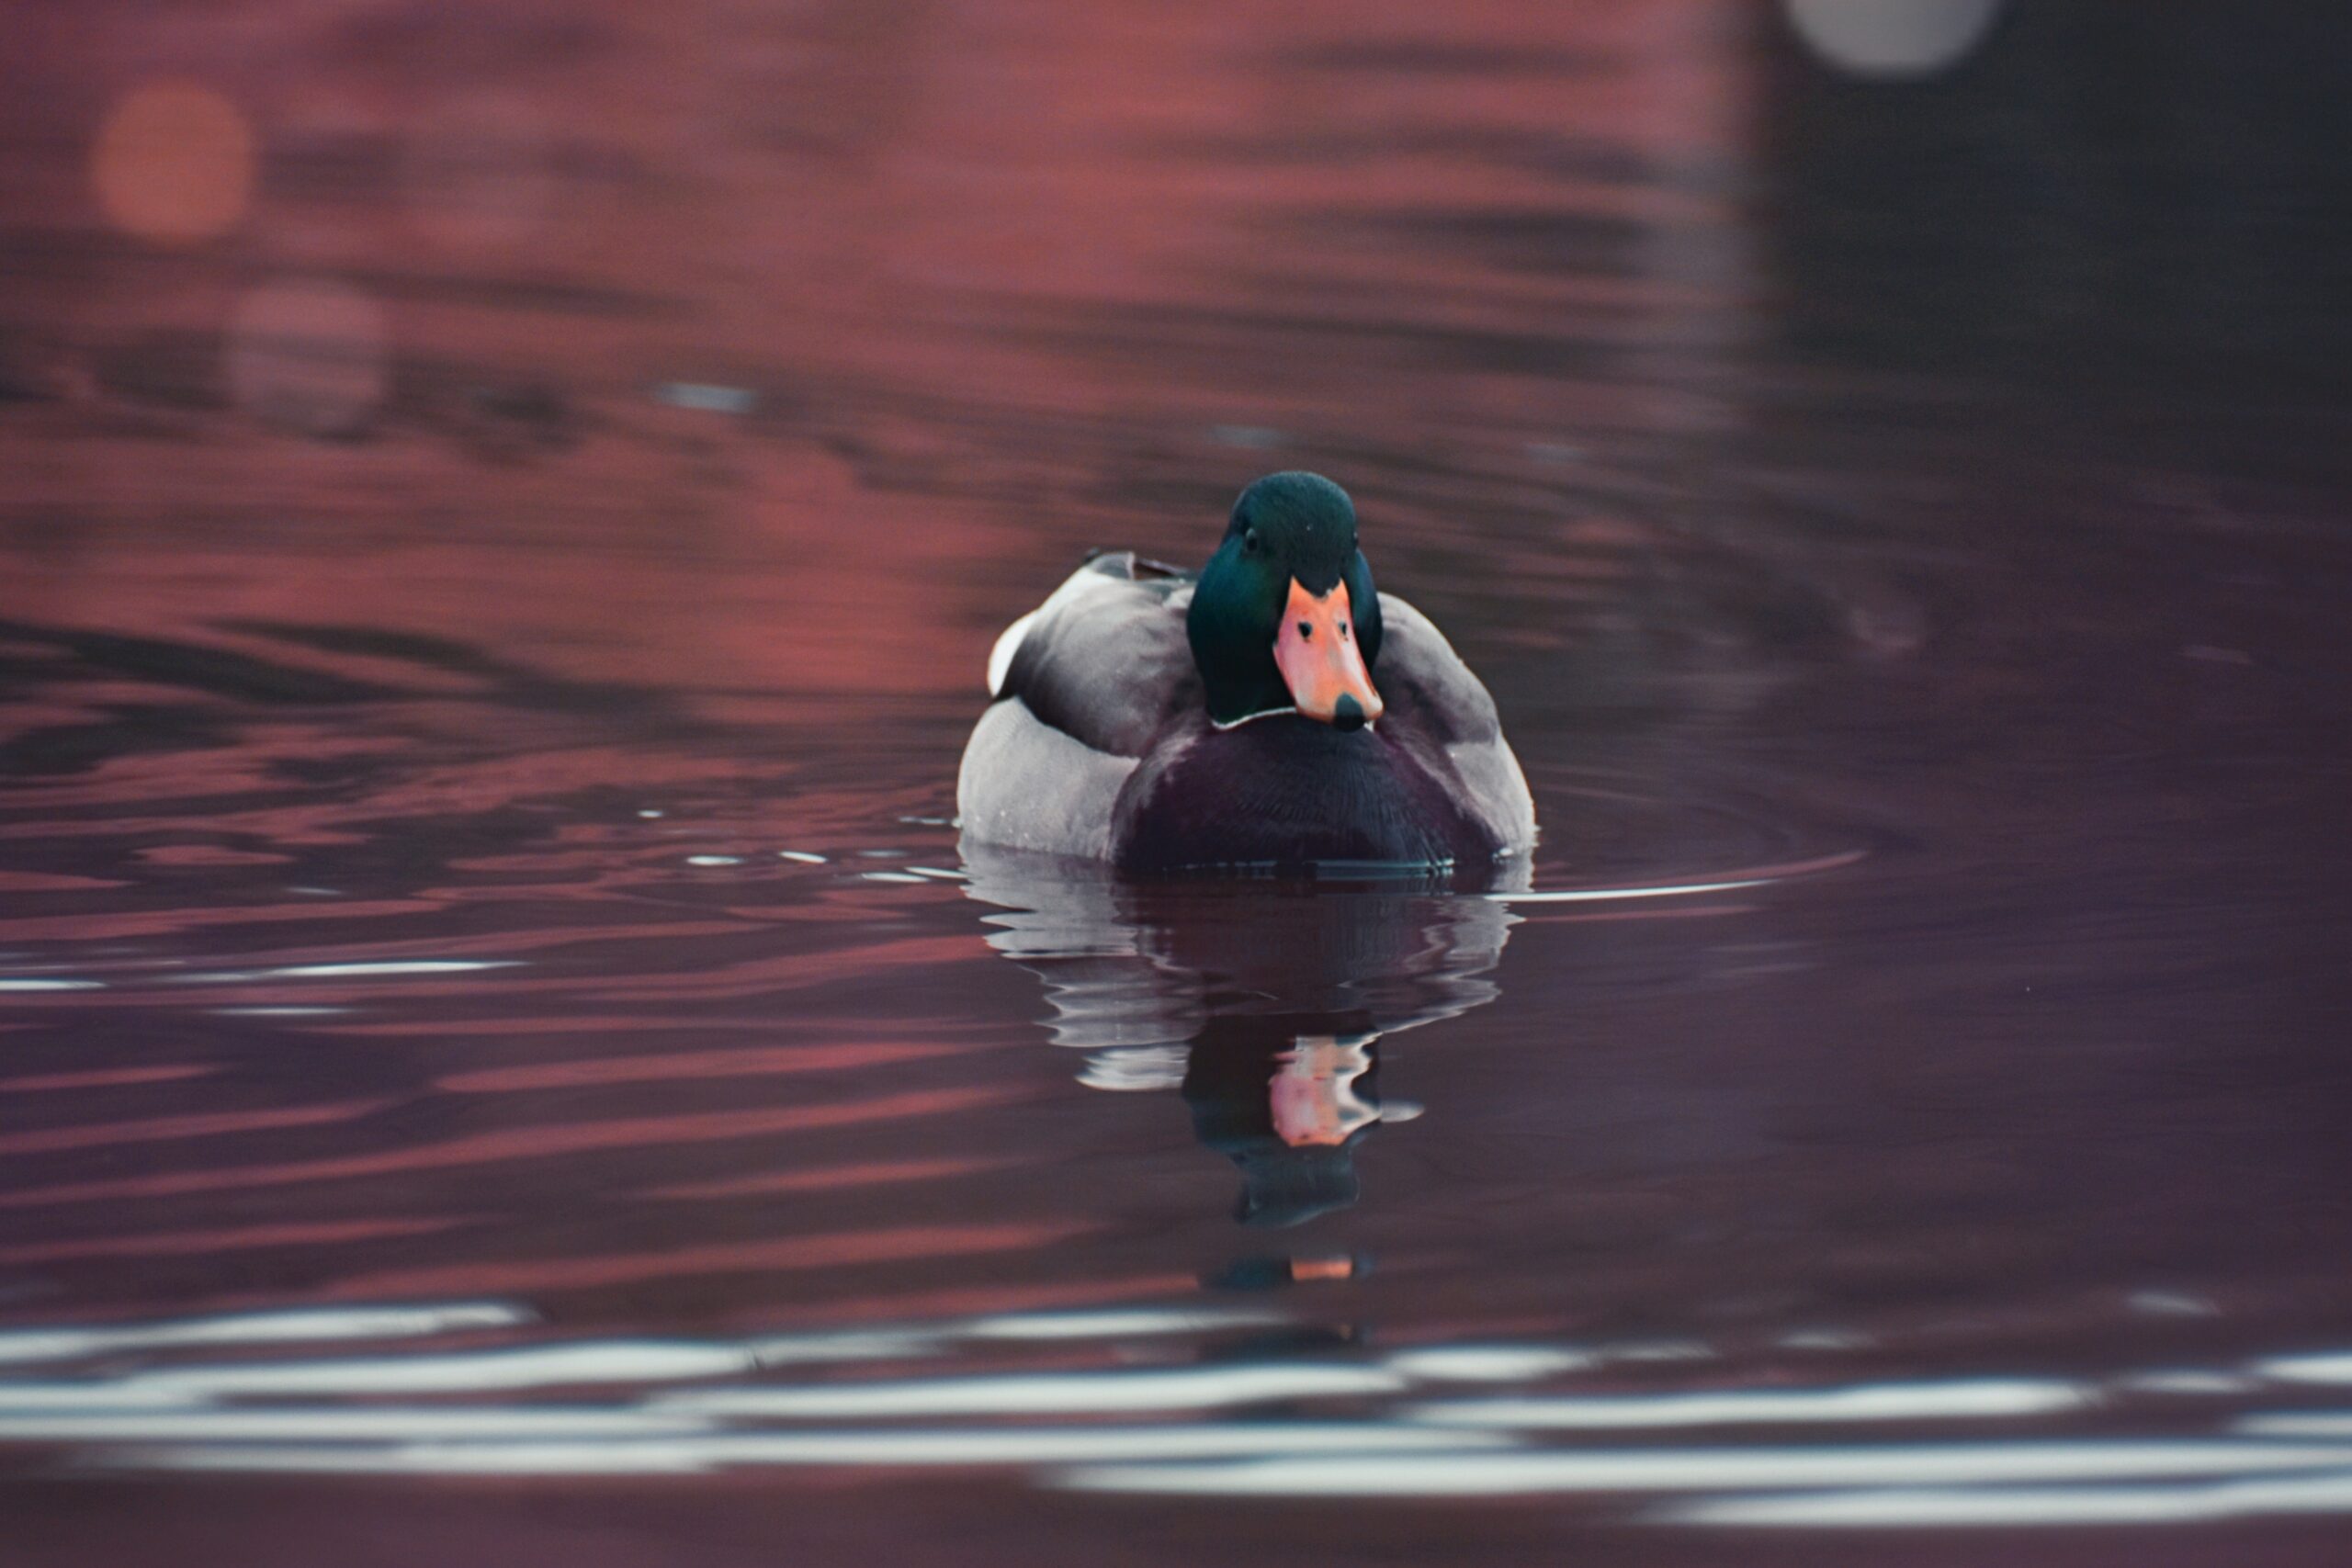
504,1056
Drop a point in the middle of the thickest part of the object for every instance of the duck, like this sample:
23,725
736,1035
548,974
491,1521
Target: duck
1274,709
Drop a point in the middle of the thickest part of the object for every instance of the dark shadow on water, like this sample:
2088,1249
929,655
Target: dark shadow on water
1262,1001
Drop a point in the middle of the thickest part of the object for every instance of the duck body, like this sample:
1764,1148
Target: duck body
1134,723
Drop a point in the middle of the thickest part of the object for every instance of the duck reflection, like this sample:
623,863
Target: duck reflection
1288,1106
1263,1001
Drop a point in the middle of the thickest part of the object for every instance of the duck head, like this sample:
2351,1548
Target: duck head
1285,617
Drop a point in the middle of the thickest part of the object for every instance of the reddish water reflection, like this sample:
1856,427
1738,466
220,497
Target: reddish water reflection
486,987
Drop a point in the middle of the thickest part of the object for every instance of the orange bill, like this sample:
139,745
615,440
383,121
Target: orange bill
1316,653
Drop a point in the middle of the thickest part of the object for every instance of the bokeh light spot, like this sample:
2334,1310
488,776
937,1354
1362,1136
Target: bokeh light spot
173,163
1892,38
310,354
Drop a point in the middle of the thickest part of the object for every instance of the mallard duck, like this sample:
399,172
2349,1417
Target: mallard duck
1274,709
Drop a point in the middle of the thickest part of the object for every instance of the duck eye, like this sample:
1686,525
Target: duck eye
1250,539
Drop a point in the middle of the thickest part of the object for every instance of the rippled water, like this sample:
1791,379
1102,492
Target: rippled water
503,1055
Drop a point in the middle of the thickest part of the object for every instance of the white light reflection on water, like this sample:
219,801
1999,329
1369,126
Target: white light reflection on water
984,1446
354,971
340,1424
2325,1367
1729,881
1529,1473
65,1343
389,1412
579,1364
2296,1424
17,1398
1116,1323
277,1012
2184,1381
535,1366
1488,1363
2018,1506
1881,1401
1601,895
1178,1388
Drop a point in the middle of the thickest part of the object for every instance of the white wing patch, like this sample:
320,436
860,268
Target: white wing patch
1008,643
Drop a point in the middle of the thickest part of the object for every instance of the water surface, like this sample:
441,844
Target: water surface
504,1057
